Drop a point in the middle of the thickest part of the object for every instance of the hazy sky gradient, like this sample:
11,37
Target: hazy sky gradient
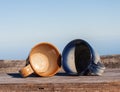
24,23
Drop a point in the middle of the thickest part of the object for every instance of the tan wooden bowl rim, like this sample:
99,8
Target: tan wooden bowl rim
49,44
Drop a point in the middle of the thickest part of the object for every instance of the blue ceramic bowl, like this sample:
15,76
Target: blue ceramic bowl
78,57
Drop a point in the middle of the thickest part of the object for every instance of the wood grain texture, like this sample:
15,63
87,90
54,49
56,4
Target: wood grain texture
61,82
11,80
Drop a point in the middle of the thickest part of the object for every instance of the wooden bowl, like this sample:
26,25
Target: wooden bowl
44,60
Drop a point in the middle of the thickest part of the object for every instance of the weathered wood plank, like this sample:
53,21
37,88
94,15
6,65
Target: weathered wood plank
69,87
110,75
11,80
61,82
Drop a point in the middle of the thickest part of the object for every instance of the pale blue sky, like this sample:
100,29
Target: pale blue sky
24,23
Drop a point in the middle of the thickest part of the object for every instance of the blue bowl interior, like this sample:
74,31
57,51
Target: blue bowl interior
82,56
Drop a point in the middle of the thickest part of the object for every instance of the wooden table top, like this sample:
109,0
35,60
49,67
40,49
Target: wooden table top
11,80
61,82
110,75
